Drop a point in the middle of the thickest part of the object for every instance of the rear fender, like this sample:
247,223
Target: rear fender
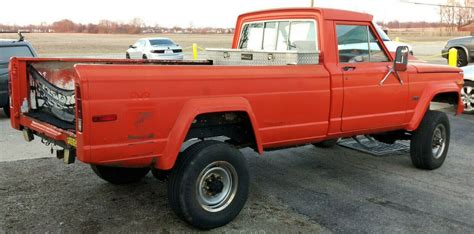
190,111
424,104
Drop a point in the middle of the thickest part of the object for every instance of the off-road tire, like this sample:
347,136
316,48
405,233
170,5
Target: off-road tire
326,144
120,175
183,189
6,110
422,142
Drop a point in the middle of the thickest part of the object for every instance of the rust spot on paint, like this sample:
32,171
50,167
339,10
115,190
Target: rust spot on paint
142,117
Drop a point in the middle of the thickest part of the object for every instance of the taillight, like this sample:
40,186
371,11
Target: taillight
78,107
158,51
104,118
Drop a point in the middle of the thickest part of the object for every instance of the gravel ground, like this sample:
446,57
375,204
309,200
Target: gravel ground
301,189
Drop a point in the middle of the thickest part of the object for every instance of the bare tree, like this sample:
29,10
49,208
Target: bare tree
455,14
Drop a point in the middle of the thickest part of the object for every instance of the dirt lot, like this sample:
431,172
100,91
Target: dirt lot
305,189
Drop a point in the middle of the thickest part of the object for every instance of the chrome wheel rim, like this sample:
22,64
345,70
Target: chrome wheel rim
467,95
216,186
438,141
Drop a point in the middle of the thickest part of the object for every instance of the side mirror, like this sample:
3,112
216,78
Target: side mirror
401,58
132,47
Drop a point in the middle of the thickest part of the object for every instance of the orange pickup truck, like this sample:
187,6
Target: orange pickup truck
293,77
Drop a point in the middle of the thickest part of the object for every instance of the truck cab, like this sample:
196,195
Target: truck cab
292,77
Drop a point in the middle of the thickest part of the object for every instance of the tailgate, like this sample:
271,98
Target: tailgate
43,100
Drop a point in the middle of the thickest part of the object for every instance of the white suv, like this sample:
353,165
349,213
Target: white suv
155,48
467,93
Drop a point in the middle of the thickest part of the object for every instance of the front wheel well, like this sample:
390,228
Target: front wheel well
448,102
448,98
234,126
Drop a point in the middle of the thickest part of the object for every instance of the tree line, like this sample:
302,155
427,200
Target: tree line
135,26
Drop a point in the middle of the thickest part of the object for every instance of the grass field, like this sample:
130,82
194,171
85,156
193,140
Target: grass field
76,44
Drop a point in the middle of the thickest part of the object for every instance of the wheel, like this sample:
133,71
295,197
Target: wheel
462,58
160,175
127,56
467,95
430,142
208,186
326,144
144,56
120,175
6,109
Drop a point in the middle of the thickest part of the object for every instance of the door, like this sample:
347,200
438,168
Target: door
368,103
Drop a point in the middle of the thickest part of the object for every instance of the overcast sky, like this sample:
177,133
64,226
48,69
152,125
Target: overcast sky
215,13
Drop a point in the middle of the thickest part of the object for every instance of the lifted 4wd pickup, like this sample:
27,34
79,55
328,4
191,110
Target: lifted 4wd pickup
294,77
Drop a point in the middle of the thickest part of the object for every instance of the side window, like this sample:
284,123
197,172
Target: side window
357,44
376,52
353,43
252,36
14,51
270,35
303,36
283,34
280,36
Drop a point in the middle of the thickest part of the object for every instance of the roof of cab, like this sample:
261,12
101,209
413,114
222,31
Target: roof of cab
327,13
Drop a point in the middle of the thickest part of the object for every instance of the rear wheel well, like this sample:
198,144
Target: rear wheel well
235,128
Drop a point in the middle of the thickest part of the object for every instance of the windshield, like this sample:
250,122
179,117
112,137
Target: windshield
16,51
160,42
382,34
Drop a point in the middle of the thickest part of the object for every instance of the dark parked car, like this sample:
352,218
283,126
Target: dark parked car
11,48
465,47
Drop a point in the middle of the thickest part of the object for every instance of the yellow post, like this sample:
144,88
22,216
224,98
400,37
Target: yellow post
195,51
453,57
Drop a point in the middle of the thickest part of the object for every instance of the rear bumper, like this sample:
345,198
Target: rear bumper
166,56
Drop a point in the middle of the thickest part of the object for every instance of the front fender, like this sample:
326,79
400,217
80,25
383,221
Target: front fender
425,100
190,111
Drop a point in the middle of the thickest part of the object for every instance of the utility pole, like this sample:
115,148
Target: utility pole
312,3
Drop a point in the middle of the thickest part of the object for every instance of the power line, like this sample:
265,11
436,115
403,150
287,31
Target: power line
437,5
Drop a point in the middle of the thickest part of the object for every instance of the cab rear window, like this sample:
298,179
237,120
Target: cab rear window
14,51
280,36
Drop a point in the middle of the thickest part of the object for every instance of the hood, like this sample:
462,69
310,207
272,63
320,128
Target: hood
393,45
432,68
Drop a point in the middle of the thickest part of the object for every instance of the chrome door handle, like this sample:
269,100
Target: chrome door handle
348,68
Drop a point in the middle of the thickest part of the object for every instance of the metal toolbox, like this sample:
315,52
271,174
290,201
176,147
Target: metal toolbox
236,57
